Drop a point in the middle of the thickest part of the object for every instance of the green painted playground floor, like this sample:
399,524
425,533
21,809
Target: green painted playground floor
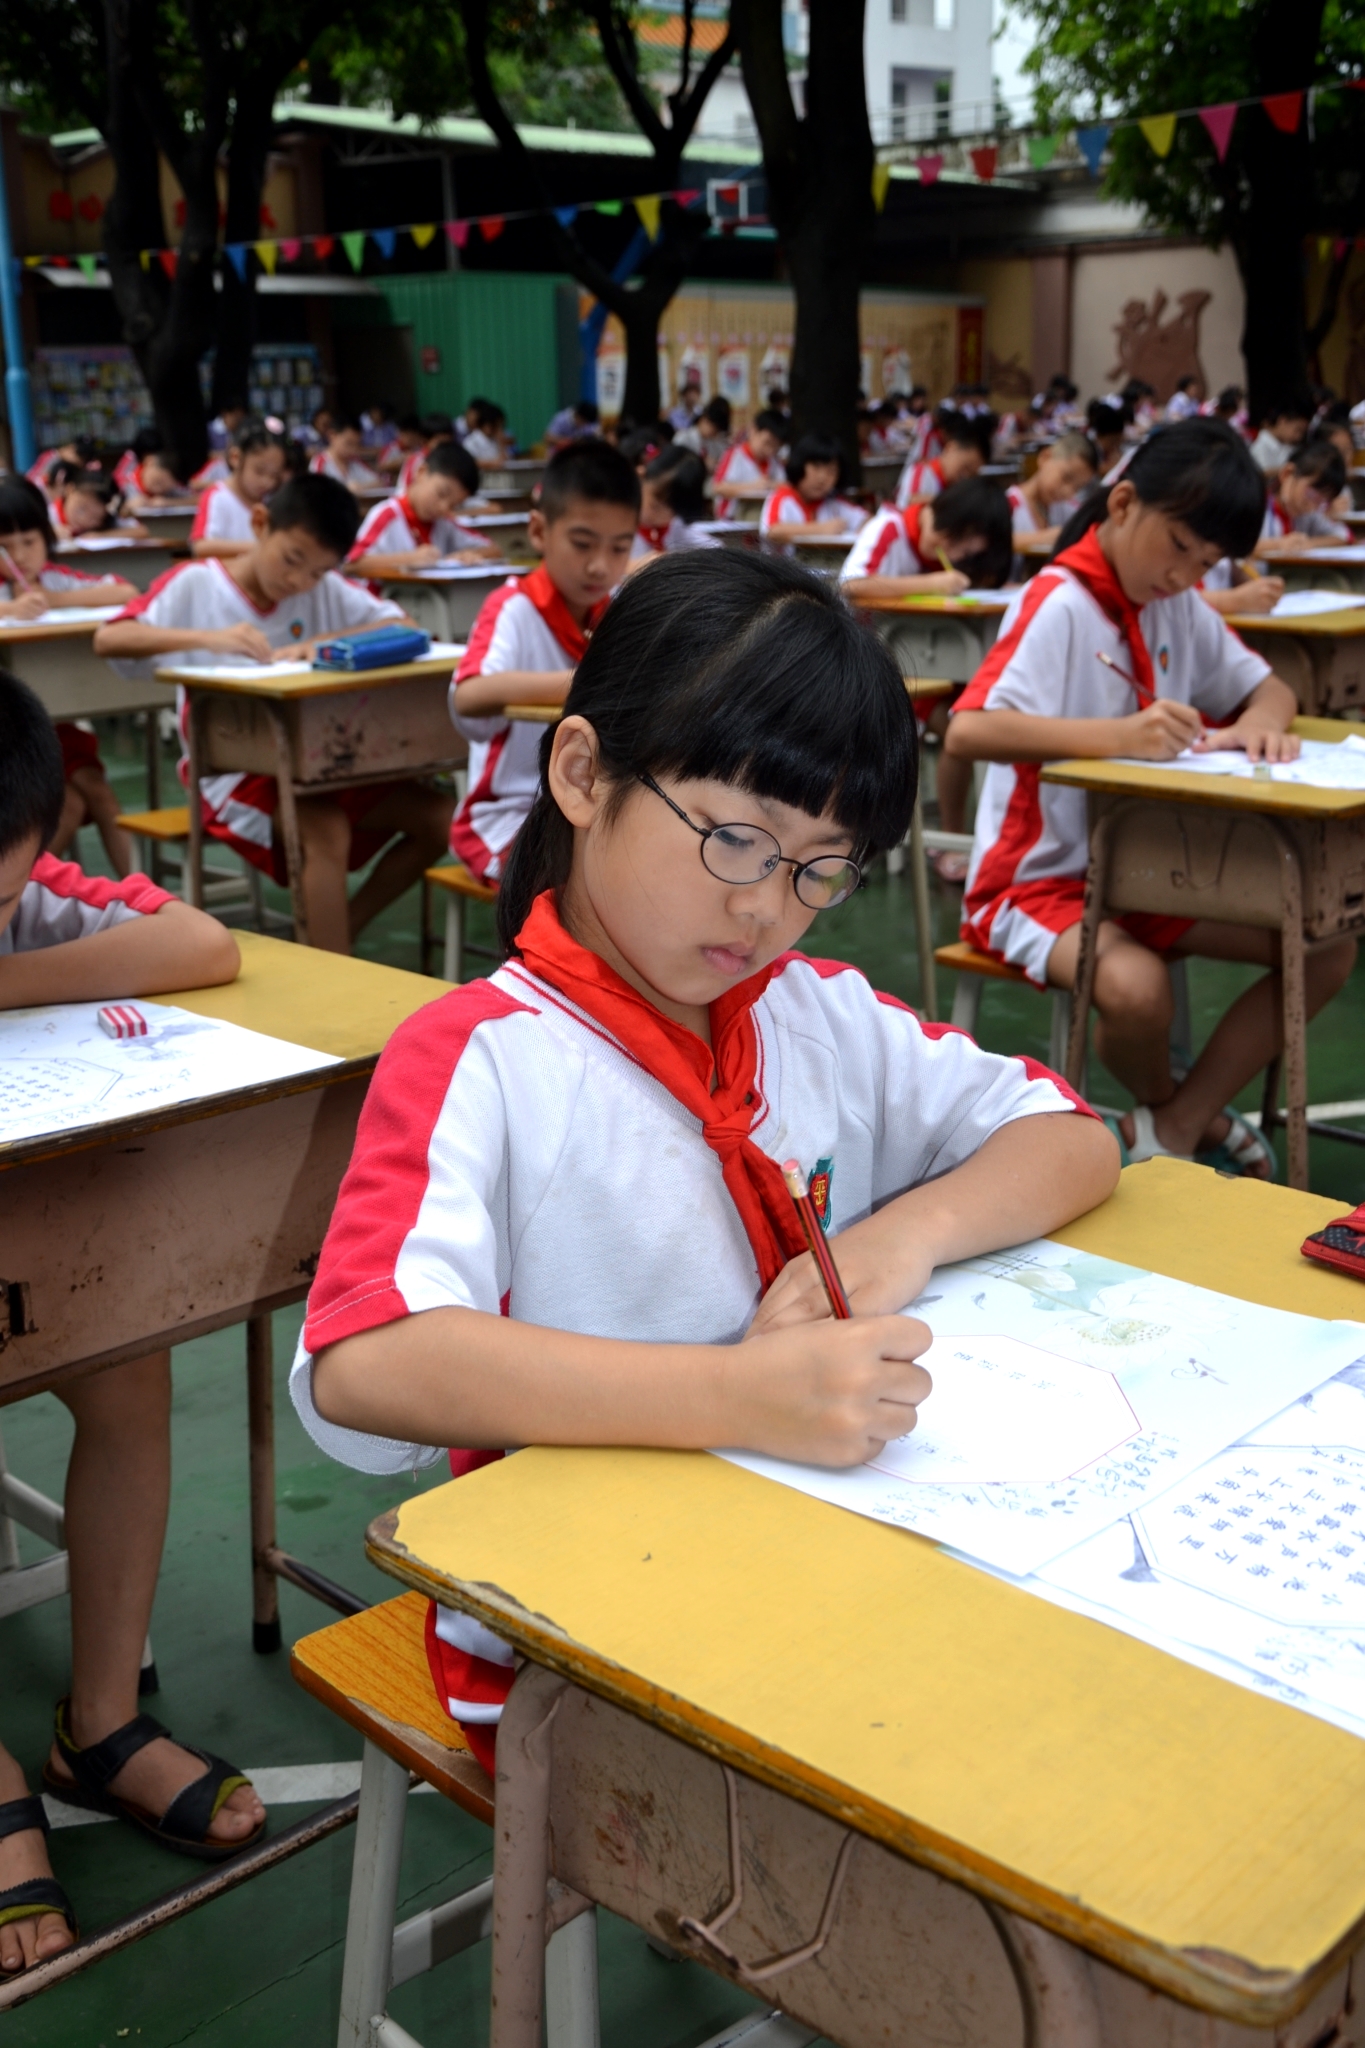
261,1968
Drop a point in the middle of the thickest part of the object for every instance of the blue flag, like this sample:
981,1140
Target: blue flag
565,215
236,253
386,241
1092,143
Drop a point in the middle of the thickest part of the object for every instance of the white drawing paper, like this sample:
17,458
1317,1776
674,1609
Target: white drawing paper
448,570
234,671
1321,764
1069,1391
91,615
60,1072
1306,604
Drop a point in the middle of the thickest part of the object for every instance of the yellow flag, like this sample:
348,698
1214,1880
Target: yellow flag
1324,247
1160,132
267,251
648,210
881,178
144,257
421,236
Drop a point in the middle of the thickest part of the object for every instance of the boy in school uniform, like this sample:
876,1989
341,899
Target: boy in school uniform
275,603
899,553
530,636
709,436
965,447
433,428
754,460
222,524
419,526
343,457
1283,429
66,937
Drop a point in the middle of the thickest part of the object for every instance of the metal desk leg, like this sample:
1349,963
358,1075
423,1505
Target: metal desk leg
924,916
194,853
1083,988
260,1399
1295,1019
287,817
521,1856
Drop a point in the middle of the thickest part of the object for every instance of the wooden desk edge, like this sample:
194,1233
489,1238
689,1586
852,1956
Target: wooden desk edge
1217,792
318,682
1208,1980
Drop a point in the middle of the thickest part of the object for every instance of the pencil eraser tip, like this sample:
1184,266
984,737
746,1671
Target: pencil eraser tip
122,1020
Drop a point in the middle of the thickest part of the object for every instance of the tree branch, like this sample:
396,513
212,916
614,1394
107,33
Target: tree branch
757,25
627,76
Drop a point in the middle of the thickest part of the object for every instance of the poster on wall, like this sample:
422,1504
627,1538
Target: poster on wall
866,359
732,373
971,344
775,370
611,379
897,374
695,361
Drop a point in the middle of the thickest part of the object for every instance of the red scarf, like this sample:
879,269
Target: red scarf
1090,565
654,536
911,518
679,1060
1285,517
421,528
548,600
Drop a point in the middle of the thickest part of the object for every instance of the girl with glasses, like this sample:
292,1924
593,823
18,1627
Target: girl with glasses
565,1221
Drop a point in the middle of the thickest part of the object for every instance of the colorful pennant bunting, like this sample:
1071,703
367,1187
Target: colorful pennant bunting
1284,108
385,241
236,254
169,259
291,249
1160,131
1219,122
354,245
881,180
608,206
422,235
323,246
928,168
266,253
457,233
1092,142
1041,150
565,215
984,161
491,226
87,265
648,210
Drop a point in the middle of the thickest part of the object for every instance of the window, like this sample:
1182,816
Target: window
898,10
943,100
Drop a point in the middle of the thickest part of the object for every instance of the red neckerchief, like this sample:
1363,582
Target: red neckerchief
420,527
812,511
548,600
1089,564
1284,515
653,536
911,517
682,1064
937,468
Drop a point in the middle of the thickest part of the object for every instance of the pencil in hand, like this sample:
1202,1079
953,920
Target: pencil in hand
815,1238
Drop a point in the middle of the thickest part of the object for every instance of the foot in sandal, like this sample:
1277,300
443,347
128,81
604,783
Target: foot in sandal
190,1801
1230,1144
42,1928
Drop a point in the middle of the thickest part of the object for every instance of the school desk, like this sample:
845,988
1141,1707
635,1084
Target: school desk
1034,551
939,636
1321,657
138,562
1267,854
907,1802
447,601
881,474
1332,567
58,664
169,524
314,731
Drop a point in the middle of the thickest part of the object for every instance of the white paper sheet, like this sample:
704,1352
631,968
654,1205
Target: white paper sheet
69,615
1069,1391
1306,604
95,543
59,1071
466,572
483,519
233,671
1322,764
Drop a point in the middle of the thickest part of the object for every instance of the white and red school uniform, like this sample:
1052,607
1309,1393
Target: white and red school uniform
888,544
412,466
787,507
214,471
671,539
222,515
240,809
920,480
524,626
56,576
1280,522
1026,882
739,465
80,748
59,903
126,471
392,528
507,1161
357,476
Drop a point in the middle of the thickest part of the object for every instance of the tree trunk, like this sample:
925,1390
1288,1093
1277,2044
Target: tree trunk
1279,176
251,131
642,309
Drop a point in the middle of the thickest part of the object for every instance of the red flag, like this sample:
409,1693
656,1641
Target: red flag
91,207
59,205
491,226
928,168
687,198
1218,120
984,161
167,259
457,233
323,246
1284,108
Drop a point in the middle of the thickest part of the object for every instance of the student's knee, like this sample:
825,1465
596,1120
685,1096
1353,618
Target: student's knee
134,1398
430,821
1328,972
1133,988
325,832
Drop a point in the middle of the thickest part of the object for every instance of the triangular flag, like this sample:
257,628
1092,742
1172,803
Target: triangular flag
168,260
881,179
266,253
490,227
1160,131
1041,150
236,255
1284,109
385,241
1324,247
421,236
928,168
1092,143
457,233
291,250
144,257
687,198
648,210
87,264
565,215
612,206
354,245
984,161
1340,249
1218,121
323,246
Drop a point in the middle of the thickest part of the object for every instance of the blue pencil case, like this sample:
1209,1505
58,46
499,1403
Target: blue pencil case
385,647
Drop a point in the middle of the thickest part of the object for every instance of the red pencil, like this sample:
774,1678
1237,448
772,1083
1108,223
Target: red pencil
815,1238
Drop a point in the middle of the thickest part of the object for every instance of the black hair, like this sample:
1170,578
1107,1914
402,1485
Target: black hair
1287,409
321,506
770,421
738,668
295,457
1135,390
486,414
814,448
253,435
968,429
436,425
74,476
1184,383
1109,415
1319,462
679,477
642,444
585,410
23,509
976,506
1199,471
146,441
588,469
32,778
411,423
717,411
453,459
344,423
1229,398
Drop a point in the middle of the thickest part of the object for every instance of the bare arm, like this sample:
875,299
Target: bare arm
135,640
479,695
222,549
1157,734
805,529
175,948
1029,1176
109,590
1262,724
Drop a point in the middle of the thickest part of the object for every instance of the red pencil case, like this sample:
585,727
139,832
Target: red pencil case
1341,1244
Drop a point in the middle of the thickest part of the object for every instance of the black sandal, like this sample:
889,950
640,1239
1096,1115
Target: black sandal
185,1824
36,1895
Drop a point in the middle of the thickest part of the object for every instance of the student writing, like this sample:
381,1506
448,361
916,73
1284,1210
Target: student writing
750,462
1123,585
808,504
222,524
673,505
420,526
964,447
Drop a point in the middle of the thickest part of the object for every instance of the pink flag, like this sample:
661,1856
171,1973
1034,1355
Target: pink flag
290,250
1218,121
457,233
928,168
1284,108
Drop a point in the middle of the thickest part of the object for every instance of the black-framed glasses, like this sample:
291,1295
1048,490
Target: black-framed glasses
741,854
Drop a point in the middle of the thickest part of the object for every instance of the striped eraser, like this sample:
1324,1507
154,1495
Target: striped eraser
122,1020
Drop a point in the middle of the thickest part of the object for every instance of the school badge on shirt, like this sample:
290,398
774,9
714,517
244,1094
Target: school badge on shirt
820,1182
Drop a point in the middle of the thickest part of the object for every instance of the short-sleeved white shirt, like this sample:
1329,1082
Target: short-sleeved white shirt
222,515
884,547
60,903
509,635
